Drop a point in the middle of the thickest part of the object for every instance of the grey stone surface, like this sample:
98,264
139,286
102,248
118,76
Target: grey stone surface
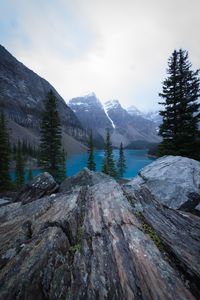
4,202
41,185
84,178
88,242
173,180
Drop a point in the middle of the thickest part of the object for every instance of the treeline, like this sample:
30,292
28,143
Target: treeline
16,154
109,166
49,156
26,148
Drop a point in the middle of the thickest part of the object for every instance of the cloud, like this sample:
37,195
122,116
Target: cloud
116,48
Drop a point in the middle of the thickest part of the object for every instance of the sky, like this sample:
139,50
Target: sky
116,48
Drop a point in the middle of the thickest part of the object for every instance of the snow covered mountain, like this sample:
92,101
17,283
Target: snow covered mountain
123,126
134,111
153,116
130,127
92,116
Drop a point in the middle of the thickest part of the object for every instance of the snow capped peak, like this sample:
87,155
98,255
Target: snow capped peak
92,94
133,110
112,104
86,100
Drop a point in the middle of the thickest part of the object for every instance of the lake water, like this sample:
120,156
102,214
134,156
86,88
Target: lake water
135,161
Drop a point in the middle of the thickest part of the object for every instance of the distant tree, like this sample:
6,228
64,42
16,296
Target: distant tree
14,151
61,173
19,166
121,162
108,162
4,154
51,137
181,109
30,174
24,147
91,163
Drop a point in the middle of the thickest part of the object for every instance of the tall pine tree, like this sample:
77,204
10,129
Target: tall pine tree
51,137
121,162
62,172
91,163
181,109
4,154
19,166
108,162
30,174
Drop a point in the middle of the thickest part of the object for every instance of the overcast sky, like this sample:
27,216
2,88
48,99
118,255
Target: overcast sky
115,48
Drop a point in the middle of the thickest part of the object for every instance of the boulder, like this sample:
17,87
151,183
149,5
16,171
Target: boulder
41,185
176,231
173,180
4,202
84,178
89,242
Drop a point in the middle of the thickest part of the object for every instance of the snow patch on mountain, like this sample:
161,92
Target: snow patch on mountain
112,104
105,109
133,110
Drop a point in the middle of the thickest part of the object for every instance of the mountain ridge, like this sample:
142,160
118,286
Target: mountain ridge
123,126
22,95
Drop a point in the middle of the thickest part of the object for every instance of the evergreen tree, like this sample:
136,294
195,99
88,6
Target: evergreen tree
51,136
30,174
4,154
108,162
181,114
61,173
121,162
14,151
19,166
91,163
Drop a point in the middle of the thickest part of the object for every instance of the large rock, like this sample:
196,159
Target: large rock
41,185
173,180
84,178
89,243
4,202
178,231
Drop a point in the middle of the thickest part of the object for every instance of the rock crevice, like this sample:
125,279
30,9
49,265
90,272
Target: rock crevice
88,241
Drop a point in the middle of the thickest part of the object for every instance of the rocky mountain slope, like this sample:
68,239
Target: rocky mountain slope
91,113
22,93
151,115
124,127
94,239
131,127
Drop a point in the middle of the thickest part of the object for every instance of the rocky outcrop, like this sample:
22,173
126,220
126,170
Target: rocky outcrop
95,239
173,180
42,185
123,126
90,112
3,202
84,178
175,232
130,127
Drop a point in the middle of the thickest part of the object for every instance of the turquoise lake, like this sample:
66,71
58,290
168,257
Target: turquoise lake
135,161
